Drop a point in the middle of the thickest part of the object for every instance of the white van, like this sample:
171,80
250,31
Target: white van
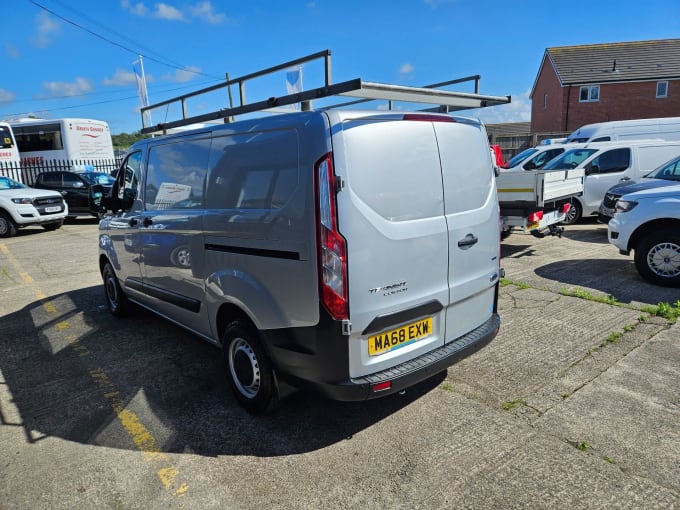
608,163
665,128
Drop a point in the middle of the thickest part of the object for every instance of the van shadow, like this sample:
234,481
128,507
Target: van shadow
71,373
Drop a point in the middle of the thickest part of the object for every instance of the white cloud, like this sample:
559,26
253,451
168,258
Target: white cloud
519,110
406,68
48,29
168,12
204,11
6,96
138,9
63,89
121,77
183,75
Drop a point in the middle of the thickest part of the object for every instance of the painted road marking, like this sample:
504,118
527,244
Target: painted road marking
142,437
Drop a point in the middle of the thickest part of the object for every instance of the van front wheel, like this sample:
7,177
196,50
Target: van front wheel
248,368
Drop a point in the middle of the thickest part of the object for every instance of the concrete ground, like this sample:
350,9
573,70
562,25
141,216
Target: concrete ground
574,405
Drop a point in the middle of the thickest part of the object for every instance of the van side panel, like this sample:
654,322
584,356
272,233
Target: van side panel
260,240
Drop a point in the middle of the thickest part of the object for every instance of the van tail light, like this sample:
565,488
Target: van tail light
535,216
332,251
566,207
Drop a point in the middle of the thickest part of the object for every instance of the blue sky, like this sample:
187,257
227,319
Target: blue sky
73,58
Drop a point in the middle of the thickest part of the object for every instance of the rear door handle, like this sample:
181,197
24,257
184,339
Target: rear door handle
468,241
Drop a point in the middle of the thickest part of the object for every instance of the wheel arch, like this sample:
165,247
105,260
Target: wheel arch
651,226
227,313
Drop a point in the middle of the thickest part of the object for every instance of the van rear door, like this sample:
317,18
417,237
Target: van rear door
397,221
471,209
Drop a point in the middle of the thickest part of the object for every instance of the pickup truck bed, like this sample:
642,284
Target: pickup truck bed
533,200
538,188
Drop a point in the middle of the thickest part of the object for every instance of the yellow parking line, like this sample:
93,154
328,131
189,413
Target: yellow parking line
142,438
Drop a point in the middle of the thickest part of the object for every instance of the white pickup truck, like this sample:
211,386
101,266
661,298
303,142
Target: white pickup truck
537,200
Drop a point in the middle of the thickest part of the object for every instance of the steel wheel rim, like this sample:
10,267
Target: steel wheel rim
111,289
244,368
664,260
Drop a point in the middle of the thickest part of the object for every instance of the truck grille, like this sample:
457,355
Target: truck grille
42,205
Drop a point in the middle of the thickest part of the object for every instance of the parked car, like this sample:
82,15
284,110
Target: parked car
77,189
608,163
534,158
647,222
21,206
667,174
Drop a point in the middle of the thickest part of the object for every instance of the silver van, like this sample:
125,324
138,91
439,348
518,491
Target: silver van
353,253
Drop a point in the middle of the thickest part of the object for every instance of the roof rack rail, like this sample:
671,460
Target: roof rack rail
444,100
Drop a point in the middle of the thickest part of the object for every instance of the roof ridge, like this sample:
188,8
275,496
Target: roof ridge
604,45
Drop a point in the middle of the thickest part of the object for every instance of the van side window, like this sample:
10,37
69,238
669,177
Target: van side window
175,176
615,160
253,171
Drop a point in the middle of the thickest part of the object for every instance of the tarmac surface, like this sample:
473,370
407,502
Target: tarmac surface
575,404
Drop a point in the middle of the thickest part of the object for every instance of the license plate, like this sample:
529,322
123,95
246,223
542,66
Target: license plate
53,209
396,338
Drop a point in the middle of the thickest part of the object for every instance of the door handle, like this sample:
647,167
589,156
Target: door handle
467,241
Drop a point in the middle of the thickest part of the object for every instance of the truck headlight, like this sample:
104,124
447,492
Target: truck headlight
624,205
22,200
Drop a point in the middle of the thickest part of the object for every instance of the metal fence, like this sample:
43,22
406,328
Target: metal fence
27,172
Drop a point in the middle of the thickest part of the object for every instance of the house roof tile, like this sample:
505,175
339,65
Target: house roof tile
616,62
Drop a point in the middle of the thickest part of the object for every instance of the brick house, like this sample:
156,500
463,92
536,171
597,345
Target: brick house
578,85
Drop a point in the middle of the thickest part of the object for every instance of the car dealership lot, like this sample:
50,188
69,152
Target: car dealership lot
574,404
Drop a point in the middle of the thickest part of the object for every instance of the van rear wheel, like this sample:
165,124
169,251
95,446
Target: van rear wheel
115,297
248,368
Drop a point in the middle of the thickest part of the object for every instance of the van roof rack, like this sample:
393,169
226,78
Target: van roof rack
444,100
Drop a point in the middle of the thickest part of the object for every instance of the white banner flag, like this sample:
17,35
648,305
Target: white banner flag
138,69
294,82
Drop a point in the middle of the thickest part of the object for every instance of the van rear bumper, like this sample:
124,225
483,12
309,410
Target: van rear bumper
408,373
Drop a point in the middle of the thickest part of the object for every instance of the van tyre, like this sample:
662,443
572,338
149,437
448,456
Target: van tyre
657,258
248,368
7,226
116,299
573,214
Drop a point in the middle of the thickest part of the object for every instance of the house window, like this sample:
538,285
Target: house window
589,93
661,89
